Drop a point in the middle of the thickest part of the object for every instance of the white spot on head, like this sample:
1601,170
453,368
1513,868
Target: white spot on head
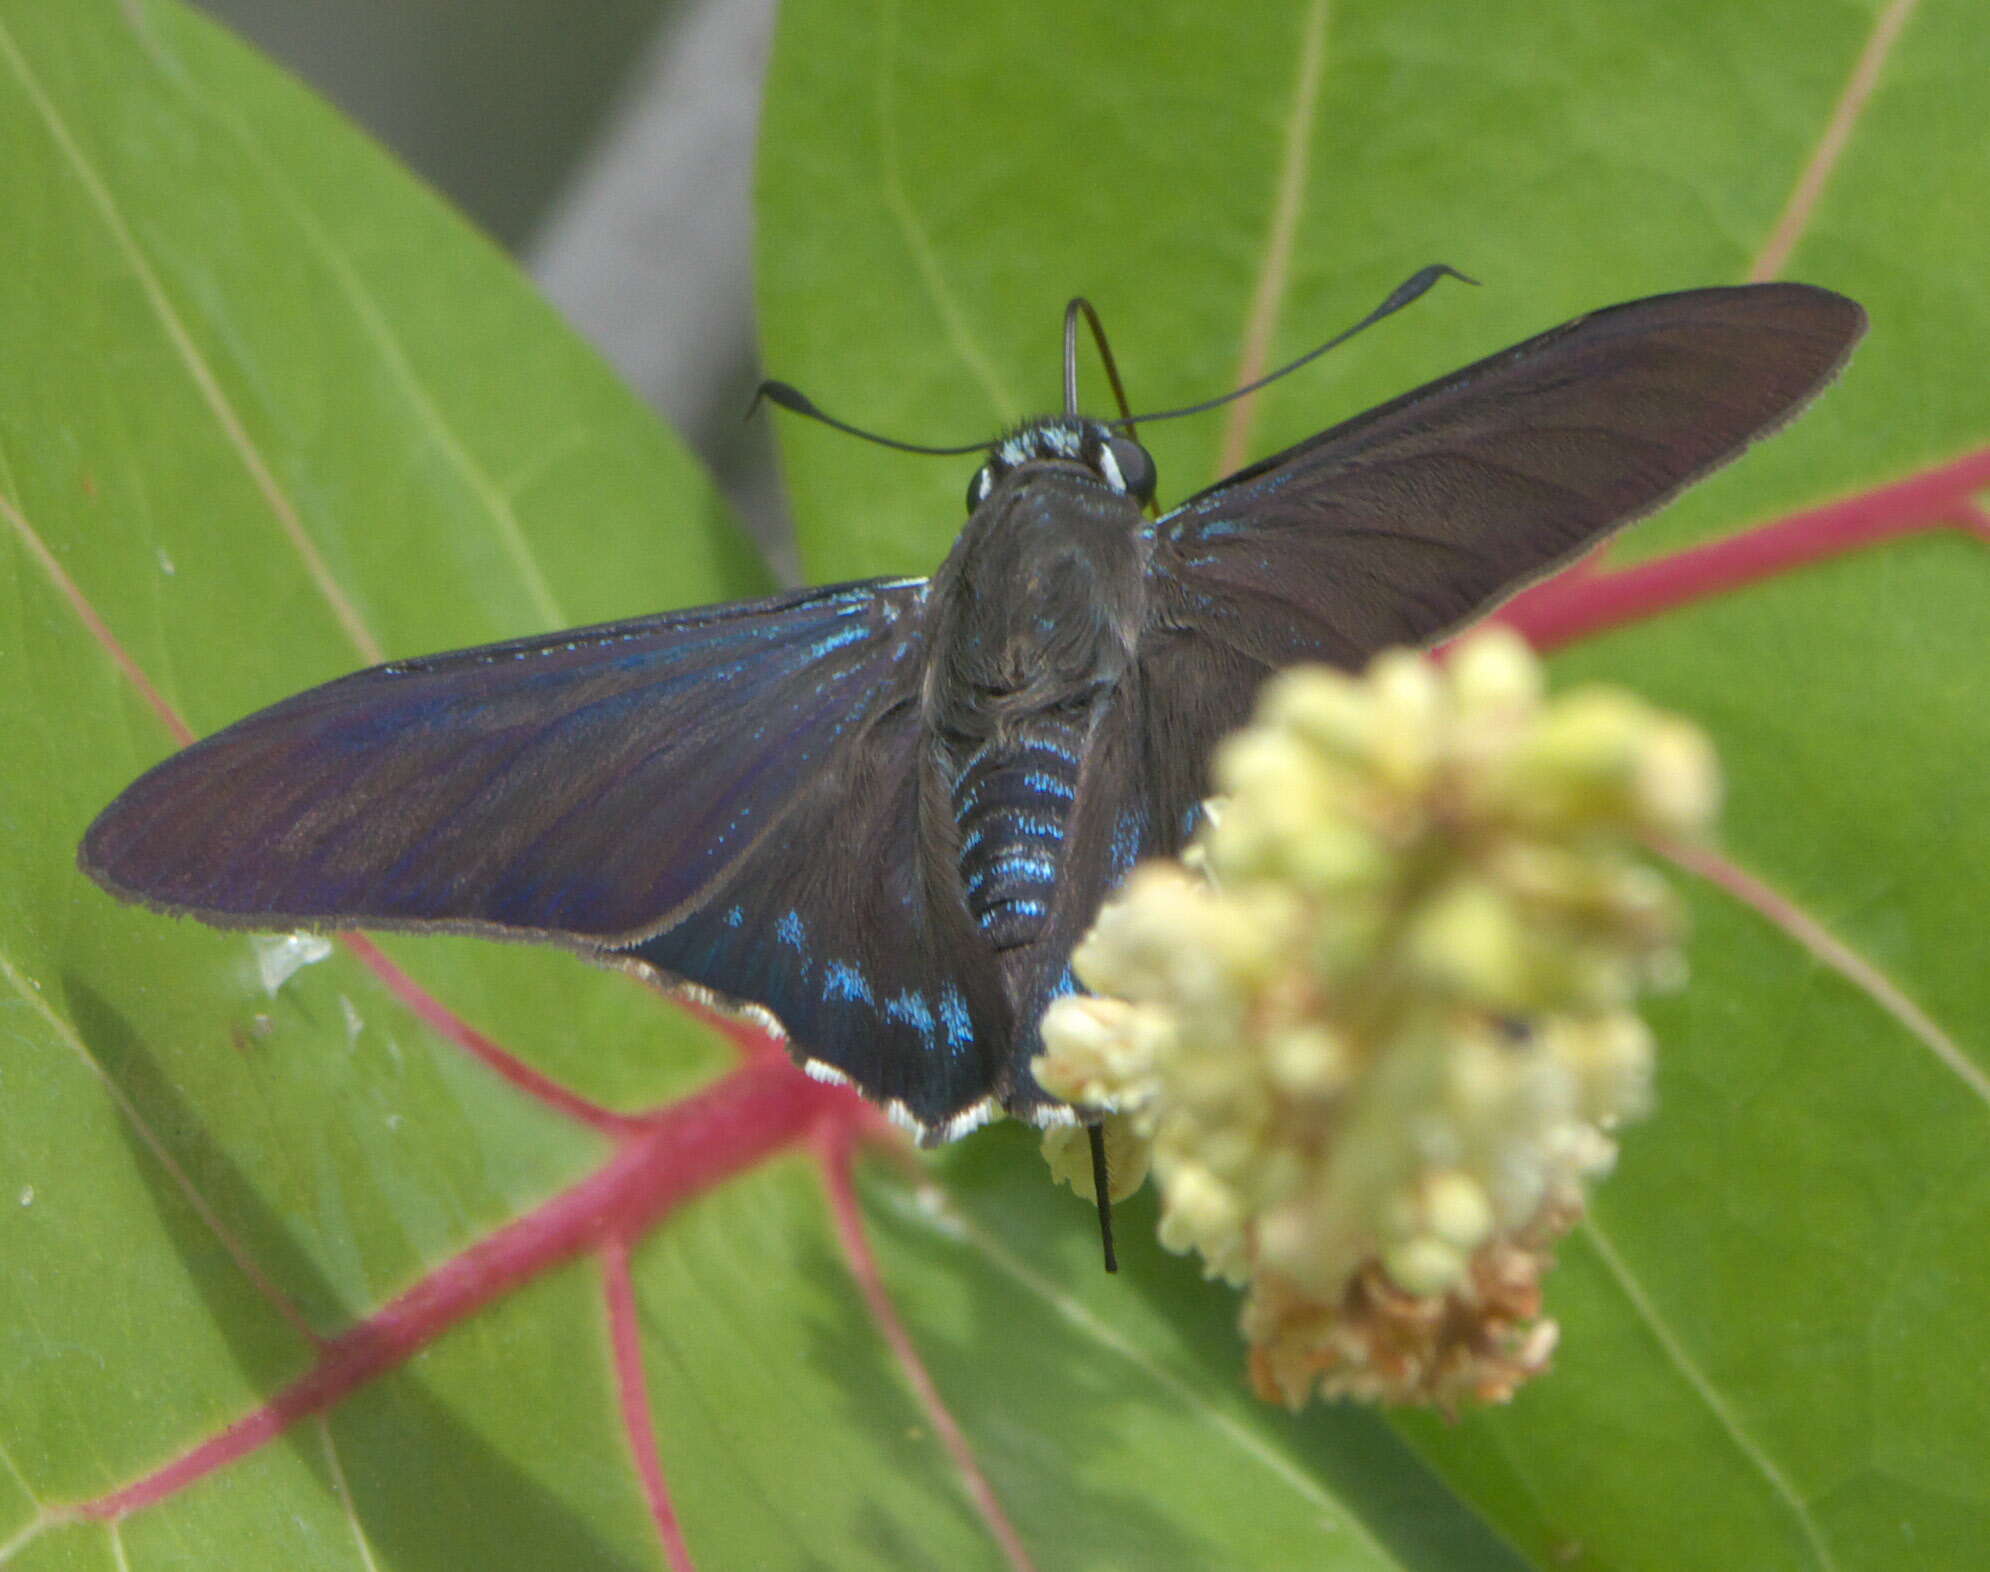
1109,467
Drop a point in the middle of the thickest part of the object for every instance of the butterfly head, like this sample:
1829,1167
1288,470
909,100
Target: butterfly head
1118,461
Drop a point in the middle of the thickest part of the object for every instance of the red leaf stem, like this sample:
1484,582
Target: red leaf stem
1571,606
833,1148
450,1026
632,1394
683,1150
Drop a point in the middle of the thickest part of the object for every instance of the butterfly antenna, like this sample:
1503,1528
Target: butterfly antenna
1102,1188
1080,305
787,396
794,400
1412,288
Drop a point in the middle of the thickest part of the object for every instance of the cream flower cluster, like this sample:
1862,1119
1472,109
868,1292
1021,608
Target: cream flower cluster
1375,1035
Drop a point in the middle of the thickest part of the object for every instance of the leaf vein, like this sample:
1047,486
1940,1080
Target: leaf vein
918,243
1275,270
1076,1315
1786,914
161,1152
373,322
1661,1331
344,1492
834,1169
202,375
1831,142
29,1532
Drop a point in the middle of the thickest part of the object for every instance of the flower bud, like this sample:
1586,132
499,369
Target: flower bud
1381,1041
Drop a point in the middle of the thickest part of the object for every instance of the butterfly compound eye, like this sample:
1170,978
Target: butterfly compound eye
979,487
1136,467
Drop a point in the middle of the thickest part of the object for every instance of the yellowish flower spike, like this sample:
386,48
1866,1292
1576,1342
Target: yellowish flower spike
1375,1035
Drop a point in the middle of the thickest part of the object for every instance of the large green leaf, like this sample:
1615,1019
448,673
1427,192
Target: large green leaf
1772,1349
267,408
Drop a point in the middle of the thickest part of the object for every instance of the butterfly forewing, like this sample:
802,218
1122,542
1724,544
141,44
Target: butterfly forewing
1407,521
585,785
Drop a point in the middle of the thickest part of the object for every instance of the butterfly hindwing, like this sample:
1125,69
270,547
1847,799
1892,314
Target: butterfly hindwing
850,927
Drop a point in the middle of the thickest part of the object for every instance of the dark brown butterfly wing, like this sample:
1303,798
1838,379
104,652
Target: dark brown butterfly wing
582,786
1410,520
745,797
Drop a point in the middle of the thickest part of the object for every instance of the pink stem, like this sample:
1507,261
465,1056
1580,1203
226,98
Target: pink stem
446,1023
833,1147
632,1392
93,623
682,1151
1569,607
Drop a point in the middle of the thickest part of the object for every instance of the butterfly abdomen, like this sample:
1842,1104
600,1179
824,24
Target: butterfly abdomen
1011,800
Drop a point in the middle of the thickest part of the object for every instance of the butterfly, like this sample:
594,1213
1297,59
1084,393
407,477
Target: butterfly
879,815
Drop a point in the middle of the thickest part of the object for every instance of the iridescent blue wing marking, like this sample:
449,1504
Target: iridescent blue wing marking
1105,826
1407,521
849,926
1139,794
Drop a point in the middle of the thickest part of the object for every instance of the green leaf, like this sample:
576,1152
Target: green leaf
268,408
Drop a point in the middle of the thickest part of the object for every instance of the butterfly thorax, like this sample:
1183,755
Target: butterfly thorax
1036,616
